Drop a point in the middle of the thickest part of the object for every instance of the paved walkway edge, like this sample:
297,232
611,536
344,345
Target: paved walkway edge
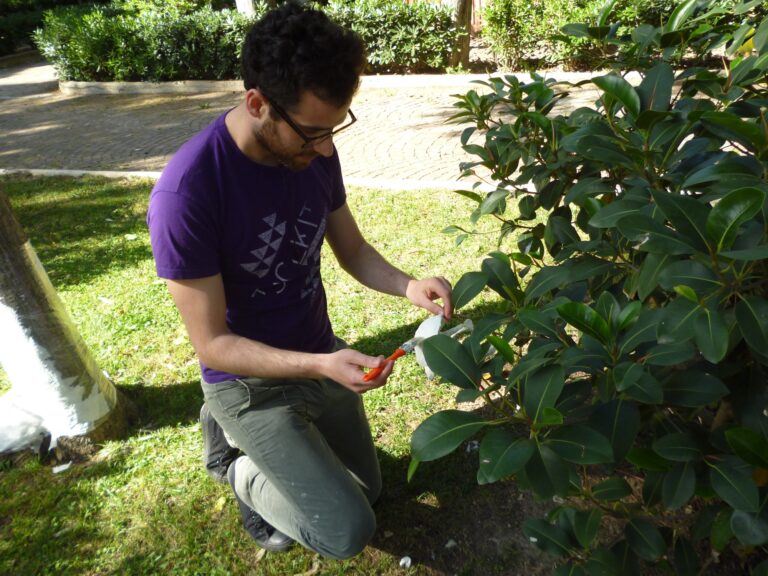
378,183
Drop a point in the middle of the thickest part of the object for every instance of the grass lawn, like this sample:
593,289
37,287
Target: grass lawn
144,505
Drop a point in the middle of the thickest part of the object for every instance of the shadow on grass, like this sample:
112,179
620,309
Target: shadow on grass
81,228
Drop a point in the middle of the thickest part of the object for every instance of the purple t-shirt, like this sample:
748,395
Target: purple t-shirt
215,211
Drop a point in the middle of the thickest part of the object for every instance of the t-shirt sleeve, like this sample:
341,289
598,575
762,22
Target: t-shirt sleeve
183,237
338,191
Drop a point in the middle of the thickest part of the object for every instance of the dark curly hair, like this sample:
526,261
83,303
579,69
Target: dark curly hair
293,49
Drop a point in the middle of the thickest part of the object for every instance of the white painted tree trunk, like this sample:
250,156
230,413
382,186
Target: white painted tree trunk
245,6
56,386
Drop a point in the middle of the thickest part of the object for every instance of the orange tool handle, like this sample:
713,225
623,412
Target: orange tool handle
376,371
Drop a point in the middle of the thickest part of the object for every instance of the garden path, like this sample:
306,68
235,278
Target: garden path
401,141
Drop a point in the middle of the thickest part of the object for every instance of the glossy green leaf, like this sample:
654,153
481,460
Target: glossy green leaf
501,277
569,568
610,214
621,90
669,354
539,322
686,292
752,317
678,446
747,254
450,360
542,389
603,562
749,529
730,213
648,276
732,127
580,444
656,88
679,485
611,490
750,446
647,390
584,318
680,16
690,273
503,347
619,421
645,539
653,237
546,536
551,277
686,214
628,315
711,335
468,286
685,559
443,432
502,454
760,39
584,524
643,331
694,388
412,467
721,534
647,459
731,478
626,375
548,473
652,488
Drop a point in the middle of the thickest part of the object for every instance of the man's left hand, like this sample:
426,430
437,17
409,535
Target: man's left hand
423,293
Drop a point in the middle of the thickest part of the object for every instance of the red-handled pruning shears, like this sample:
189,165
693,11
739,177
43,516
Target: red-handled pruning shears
429,327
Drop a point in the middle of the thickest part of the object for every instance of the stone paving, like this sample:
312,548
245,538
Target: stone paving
401,139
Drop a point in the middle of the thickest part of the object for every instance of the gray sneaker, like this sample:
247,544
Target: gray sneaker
218,454
265,535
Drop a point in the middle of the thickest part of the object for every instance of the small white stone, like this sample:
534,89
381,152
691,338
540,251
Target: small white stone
405,562
451,544
534,540
473,446
62,468
131,236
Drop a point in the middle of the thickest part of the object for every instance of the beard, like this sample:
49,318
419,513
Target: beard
292,159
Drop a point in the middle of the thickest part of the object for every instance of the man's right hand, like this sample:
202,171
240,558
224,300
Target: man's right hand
346,367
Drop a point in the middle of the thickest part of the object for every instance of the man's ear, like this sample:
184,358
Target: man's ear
256,104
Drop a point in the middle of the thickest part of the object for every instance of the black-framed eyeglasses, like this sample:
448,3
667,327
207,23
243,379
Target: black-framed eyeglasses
310,141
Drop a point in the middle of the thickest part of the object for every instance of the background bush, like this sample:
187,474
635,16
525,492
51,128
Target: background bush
18,18
400,37
158,40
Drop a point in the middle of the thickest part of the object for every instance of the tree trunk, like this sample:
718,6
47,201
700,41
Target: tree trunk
462,10
56,386
245,6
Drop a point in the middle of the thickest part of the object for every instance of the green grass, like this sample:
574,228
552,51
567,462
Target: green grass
144,505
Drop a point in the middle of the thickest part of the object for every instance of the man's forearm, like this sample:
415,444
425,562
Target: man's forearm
372,270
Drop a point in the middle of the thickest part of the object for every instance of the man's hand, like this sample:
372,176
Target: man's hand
345,367
423,293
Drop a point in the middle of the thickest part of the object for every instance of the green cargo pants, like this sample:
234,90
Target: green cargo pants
311,470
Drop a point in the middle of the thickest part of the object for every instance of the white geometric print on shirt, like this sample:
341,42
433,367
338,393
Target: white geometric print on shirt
265,254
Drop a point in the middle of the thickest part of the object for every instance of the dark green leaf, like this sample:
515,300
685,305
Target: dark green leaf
647,459
628,315
747,254
690,273
548,473
611,490
603,562
749,445
752,316
546,536
721,532
647,390
679,485
648,276
680,16
468,286
732,480
584,524
551,277
626,375
619,421
644,330
653,237
501,278
450,360
656,88
750,529
761,569
580,444
502,454
686,214
730,212
610,214
686,561
669,354
679,446
441,433
621,90
539,322
585,319
503,347
652,488
694,388
569,569
711,335
542,389
731,127
412,467
645,539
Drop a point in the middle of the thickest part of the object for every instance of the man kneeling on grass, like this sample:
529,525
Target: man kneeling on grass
237,220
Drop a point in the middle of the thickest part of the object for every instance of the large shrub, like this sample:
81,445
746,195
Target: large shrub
18,18
400,37
626,374
122,44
